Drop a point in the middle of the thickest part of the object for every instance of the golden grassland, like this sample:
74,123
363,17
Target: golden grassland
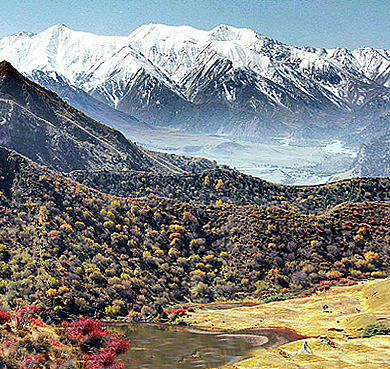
333,337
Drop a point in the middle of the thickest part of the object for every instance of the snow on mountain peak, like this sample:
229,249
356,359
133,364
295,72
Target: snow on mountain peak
15,37
228,33
152,33
170,54
59,49
59,27
375,63
20,35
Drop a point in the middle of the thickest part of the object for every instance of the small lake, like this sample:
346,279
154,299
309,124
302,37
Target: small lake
160,346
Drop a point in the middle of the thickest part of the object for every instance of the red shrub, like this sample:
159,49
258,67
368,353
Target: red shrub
38,323
29,362
102,359
24,315
5,317
7,342
85,327
179,311
117,345
99,347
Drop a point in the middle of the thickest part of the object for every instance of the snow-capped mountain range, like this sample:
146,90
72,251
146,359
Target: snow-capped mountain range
227,80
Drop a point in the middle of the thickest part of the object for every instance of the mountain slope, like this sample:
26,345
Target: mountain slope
90,106
373,158
227,80
38,124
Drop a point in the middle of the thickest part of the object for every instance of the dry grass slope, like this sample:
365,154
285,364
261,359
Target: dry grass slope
332,345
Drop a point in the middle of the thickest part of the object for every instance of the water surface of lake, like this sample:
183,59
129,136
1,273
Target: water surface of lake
158,346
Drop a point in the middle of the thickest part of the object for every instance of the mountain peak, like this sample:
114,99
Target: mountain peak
223,28
7,71
17,87
164,30
224,32
17,36
58,29
60,26
5,66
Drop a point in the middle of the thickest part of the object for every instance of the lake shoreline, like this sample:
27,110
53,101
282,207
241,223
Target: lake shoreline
321,338
159,345
331,337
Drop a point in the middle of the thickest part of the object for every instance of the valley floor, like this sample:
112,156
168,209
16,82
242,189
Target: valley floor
331,335
278,160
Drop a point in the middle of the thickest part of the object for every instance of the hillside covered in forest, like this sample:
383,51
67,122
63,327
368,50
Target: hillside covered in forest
218,186
72,250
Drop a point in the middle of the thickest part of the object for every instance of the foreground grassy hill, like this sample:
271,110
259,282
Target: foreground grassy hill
75,251
235,188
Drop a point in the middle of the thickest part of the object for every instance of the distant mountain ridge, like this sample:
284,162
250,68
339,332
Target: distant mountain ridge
38,124
227,80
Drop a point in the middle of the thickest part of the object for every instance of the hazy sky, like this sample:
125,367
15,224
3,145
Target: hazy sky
318,23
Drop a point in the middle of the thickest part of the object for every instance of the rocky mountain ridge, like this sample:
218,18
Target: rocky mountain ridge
227,80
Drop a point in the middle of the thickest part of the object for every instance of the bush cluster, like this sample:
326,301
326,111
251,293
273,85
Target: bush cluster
375,329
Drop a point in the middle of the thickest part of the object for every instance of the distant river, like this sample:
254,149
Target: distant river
159,346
